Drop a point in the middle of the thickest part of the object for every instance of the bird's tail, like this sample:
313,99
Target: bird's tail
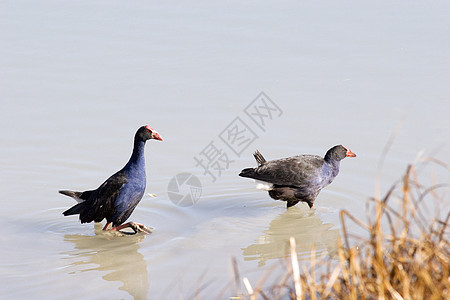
74,195
249,172
75,210
259,158
84,207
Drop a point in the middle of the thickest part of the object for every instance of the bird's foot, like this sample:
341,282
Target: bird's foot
137,227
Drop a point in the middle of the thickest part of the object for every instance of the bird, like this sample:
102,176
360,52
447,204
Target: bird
298,178
117,197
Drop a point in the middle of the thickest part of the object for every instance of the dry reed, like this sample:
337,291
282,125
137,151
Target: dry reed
404,256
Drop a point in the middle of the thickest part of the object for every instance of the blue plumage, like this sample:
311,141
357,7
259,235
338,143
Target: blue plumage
116,199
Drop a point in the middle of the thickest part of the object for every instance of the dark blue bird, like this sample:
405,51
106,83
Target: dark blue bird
118,196
297,178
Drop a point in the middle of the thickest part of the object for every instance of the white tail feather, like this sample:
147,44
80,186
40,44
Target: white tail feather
262,185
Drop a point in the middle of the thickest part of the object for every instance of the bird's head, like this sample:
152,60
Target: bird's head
147,133
338,153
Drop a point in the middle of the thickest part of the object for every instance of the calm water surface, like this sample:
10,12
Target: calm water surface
78,79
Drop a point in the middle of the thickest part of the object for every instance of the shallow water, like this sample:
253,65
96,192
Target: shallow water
77,80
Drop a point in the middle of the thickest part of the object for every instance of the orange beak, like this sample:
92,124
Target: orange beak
156,136
350,153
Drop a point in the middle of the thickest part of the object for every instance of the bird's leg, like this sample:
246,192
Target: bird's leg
106,226
133,225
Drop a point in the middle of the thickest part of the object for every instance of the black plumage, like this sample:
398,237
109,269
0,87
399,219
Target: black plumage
298,178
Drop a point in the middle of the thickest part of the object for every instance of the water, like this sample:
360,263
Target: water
77,80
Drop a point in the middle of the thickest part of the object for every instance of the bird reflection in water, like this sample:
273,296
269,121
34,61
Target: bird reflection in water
116,255
302,224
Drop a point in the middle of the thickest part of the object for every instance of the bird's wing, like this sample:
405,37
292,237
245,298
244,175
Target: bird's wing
109,190
293,171
99,203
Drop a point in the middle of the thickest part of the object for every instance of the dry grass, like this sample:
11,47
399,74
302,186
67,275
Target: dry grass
404,256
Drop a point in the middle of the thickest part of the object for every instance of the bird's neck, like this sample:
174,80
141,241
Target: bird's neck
137,158
334,166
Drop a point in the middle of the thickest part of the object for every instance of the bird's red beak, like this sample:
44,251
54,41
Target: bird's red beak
156,136
350,153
